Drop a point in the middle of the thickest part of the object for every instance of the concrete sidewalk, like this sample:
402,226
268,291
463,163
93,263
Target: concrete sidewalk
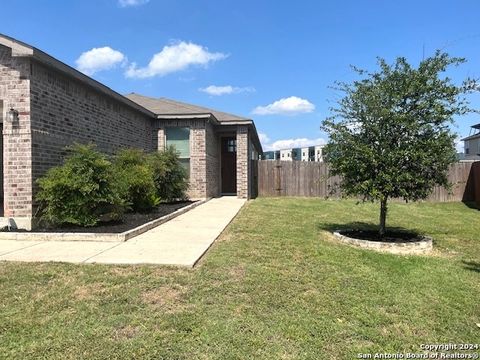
181,241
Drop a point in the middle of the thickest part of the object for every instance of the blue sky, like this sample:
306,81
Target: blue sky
270,60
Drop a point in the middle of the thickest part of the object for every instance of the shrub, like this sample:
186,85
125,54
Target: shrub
81,191
134,180
169,176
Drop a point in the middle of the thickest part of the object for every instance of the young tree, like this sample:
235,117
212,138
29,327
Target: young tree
390,135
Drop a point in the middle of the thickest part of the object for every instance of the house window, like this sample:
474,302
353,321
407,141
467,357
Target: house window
179,137
283,155
232,145
467,150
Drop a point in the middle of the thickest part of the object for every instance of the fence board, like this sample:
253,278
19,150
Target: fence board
311,179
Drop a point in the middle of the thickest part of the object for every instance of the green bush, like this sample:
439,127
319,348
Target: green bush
134,180
169,176
81,191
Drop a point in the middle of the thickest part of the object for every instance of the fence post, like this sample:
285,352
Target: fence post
278,182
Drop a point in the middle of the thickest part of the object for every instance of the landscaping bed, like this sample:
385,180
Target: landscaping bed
129,221
394,242
373,235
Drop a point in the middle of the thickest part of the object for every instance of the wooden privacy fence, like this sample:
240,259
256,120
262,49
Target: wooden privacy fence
311,179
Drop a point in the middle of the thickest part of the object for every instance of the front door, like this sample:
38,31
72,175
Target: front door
229,165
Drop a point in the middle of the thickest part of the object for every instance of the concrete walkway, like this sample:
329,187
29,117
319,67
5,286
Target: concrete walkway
181,241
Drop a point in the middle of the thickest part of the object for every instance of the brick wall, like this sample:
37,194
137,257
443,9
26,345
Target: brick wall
17,146
2,115
213,161
198,152
243,163
65,111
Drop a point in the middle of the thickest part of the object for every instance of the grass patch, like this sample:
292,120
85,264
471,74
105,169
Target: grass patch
272,287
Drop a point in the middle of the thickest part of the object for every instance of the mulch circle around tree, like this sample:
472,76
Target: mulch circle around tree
389,237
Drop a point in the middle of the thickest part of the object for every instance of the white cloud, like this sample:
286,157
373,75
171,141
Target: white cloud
264,139
292,105
98,59
225,90
293,143
459,145
127,3
175,58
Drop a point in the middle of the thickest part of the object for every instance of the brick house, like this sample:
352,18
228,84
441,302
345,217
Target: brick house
46,105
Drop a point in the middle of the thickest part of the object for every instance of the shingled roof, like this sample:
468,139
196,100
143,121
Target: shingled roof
164,106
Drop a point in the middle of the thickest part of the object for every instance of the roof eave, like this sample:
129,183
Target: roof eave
236,122
471,137
257,139
206,116
251,123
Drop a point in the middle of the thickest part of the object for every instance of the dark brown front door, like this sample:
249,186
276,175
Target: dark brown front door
229,165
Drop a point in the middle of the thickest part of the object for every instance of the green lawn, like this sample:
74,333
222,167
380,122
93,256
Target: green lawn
274,286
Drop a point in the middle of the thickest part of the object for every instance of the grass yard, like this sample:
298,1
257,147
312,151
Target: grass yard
274,286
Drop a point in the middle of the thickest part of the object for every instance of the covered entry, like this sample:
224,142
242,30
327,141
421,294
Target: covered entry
228,158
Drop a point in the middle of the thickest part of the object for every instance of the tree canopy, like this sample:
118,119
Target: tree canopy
390,133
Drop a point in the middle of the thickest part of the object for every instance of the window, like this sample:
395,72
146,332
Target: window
180,138
283,155
232,145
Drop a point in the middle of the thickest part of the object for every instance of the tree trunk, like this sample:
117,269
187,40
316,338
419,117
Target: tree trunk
383,217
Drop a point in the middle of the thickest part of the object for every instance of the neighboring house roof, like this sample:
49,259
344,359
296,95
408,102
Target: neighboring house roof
471,137
164,106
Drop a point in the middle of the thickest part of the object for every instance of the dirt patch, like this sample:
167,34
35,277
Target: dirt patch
86,292
168,298
237,272
125,332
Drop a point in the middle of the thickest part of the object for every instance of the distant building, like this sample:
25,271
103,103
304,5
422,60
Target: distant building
318,153
472,144
308,153
286,154
311,153
271,155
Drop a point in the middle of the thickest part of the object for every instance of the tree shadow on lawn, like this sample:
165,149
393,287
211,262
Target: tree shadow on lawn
471,265
471,205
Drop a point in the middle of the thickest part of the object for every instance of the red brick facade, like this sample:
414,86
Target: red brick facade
15,83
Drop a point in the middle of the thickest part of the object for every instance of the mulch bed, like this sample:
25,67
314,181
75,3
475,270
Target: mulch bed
390,236
128,222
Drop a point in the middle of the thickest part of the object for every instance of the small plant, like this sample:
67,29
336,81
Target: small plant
81,191
169,176
134,180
